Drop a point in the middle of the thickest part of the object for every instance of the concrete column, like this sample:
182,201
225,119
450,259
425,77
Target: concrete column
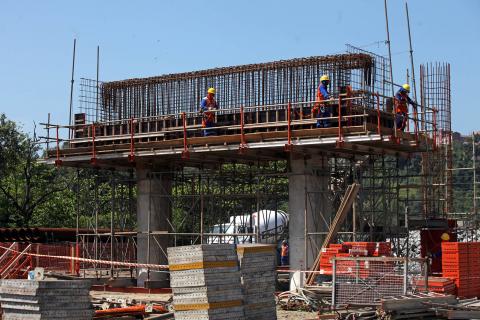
309,208
154,209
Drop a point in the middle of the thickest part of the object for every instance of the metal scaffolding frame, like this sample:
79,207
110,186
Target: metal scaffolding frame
267,99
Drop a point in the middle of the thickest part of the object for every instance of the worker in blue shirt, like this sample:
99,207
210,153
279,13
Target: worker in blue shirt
321,109
208,104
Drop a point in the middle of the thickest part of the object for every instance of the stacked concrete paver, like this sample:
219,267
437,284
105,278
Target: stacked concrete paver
257,266
205,281
45,299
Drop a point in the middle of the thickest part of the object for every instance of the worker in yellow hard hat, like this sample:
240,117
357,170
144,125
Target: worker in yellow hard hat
207,105
402,100
445,237
322,109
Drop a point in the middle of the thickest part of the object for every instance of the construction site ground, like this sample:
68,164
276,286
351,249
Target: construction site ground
281,314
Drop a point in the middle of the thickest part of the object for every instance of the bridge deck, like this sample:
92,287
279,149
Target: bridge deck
250,134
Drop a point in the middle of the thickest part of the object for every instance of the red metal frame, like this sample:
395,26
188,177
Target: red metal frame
185,152
379,128
93,160
131,156
434,129
288,146
340,133
243,144
58,162
415,120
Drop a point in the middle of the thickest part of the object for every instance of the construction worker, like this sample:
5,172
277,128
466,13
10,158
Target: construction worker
322,110
208,103
402,100
284,253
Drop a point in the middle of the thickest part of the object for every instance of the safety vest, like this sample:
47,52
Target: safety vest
401,104
284,252
320,97
209,105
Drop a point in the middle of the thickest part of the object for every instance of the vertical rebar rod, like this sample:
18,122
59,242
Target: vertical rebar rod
71,90
48,131
412,65
389,47
112,222
98,70
474,177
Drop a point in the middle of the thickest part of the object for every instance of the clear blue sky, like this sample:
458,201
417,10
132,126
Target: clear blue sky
147,38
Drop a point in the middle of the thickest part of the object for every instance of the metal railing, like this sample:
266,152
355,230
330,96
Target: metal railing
346,111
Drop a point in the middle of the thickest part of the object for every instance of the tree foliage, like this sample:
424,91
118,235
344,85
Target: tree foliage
26,186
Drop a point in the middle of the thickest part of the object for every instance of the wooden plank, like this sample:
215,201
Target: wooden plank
463,314
345,205
414,303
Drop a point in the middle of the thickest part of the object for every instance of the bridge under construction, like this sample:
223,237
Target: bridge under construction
144,137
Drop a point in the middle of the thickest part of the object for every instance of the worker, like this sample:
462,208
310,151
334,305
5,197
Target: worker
445,237
284,253
402,100
206,106
322,109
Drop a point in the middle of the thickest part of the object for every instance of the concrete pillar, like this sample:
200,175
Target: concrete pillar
154,209
309,208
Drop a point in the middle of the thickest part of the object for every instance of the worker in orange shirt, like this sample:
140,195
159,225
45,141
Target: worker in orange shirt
284,253
208,104
402,100
322,109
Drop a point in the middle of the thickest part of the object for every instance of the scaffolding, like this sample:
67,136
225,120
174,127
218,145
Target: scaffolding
266,108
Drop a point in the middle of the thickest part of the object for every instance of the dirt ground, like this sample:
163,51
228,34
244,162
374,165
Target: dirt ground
281,314
295,315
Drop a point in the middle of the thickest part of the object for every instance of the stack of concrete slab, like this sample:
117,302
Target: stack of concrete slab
205,281
45,299
257,266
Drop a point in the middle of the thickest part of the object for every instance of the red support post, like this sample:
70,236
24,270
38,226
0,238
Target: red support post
77,263
131,157
58,162
288,146
185,152
415,119
243,144
93,160
434,129
340,133
379,127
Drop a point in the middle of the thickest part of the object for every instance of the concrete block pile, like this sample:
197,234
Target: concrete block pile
45,299
205,281
257,267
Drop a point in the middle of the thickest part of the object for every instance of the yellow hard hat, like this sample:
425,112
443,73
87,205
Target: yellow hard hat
445,236
211,90
325,78
406,86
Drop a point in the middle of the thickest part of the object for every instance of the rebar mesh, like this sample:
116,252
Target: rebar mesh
269,83
436,165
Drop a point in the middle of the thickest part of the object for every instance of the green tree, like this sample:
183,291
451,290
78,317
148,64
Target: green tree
25,184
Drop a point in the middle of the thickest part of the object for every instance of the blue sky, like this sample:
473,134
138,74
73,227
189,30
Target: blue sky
147,38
